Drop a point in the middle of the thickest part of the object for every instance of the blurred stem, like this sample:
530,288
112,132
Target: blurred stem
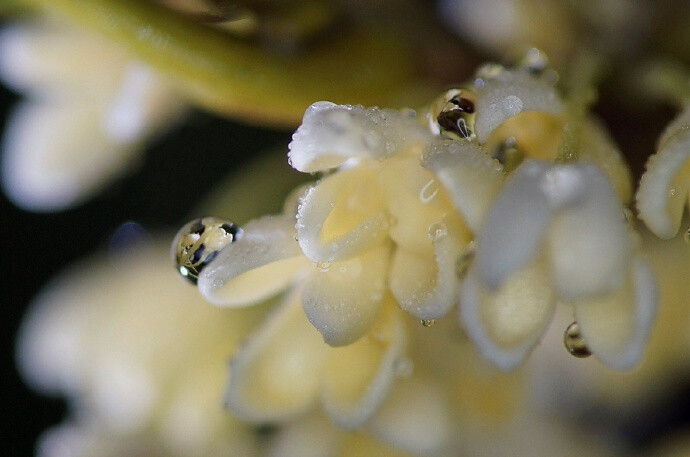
581,93
242,80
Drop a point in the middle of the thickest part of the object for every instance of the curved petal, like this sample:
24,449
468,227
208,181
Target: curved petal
506,324
277,374
67,161
341,216
616,326
358,377
509,93
415,417
257,266
426,285
330,134
588,241
472,178
663,191
345,301
514,227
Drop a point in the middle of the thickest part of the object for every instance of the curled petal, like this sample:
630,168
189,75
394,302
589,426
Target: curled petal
358,377
616,326
426,285
509,93
663,192
514,227
255,267
343,302
330,134
276,375
341,216
508,323
588,241
415,417
471,177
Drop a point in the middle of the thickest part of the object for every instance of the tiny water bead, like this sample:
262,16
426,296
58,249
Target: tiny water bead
198,242
508,154
428,322
436,231
453,114
574,341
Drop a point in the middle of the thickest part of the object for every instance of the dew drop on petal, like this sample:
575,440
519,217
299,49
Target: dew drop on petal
199,241
428,322
436,231
323,266
574,341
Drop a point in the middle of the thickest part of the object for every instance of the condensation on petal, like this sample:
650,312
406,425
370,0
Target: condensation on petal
470,176
277,373
313,436
588,242
257,266
506,325
341,216
663,192
415,199
616,326
343,302
514,227
426,285
509,93
359,377
597,146
415,417
56,155
330,134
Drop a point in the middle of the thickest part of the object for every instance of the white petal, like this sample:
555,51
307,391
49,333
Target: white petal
588,241
506,325
358,377
514,227
663,192
415,417
277,374
426,285
341,216
616,326
343,302
330,134
258,265
55,155
471,177
510,93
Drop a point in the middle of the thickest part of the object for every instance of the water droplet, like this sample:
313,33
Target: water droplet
403,367
436,231
453,114
462,263
428,322
574,341
323,266
428,192
673,192
508,154
198,242
534,61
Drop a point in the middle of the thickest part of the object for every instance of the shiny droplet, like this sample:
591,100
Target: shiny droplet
462,263
198,242
574,341
323,266
534,61
453,114
508,154
436,231
428,322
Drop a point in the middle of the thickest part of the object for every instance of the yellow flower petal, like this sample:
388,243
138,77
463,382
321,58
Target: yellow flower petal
344,301
358,377
616,326
277,374
255,267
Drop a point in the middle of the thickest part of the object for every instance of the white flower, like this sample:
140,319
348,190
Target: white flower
663,194
88,111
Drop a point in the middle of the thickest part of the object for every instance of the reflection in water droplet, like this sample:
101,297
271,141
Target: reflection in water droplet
428,322
323,266
508,154
436,231
403,367
428,192
462,264
453,114
198,242
574,341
